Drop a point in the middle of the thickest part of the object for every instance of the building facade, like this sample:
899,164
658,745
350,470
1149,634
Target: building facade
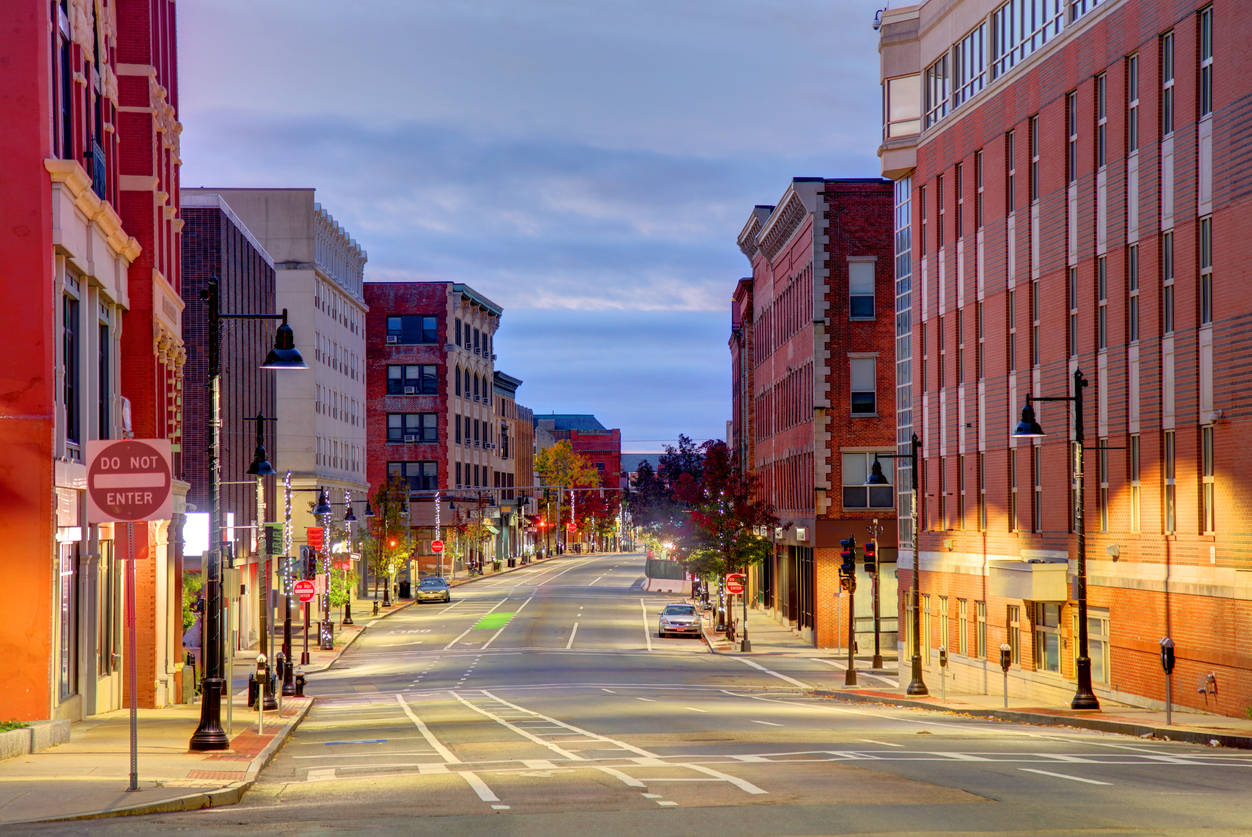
516,499
215,243
100,316
320,273
814,327
1070,198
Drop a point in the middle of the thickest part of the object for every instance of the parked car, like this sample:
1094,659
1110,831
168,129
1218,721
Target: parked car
433,589
679,619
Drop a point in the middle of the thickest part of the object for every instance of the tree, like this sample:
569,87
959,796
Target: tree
385,546
561,465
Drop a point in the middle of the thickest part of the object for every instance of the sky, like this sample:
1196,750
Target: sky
586,164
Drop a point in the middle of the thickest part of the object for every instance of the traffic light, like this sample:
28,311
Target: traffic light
274,539
847,570
308,560
871,557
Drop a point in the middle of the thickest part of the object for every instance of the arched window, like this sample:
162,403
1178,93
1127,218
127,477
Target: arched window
467,383
458,380
475,386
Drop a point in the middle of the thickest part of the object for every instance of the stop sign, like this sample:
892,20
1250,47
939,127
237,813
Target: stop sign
129,480
734,583
436,547
306,590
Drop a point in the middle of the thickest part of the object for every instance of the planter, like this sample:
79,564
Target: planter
39,736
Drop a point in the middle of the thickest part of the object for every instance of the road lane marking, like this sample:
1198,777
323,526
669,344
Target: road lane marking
610,691
629,781
572,634
649,700
525,734
479,786
882,743
593,582
1063,776
757,665
767,723
502,627
665,802
321,774
693,709
621,744
647,629
743,784
443,751
458,639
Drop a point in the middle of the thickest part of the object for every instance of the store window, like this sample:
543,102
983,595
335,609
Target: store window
1047,637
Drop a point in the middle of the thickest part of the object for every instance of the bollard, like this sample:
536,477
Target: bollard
375,607
262,676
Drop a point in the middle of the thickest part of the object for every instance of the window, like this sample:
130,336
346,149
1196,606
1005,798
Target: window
421,476
943,494
1206,62
1012,341
980,630
864,388
861,290
1034,159
1012,489
980,372
856,468
1206,270
921,235
457,423
409,328
1170,488
937,91
902,105
1134,482
1036,463
982,492
1102,120
943,622
1167,84
962,627
1034,323
1132,104
1097,644
1132,282
1167,282
943,361
458,331
969,65
1207,471
412,379
978,189
1019,27
1104,484
960,346
925,643
940,211
1102,311
1047,637
468,394
412,427
960,492
1015,634
68,611
1010,179
1071,116
477,341
1072,293
960,201
70,360
103,378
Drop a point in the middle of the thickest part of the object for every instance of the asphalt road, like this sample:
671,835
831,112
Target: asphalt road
543,703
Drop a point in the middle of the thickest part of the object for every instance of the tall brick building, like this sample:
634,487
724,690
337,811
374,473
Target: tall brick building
1072,195
812,354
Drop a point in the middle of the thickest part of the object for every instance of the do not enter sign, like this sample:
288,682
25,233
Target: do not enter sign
734,583
129,480
436,547
306,590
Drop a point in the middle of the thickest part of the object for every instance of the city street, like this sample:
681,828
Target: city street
542,702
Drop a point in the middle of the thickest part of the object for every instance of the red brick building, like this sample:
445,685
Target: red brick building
813,355
89,135
1072,195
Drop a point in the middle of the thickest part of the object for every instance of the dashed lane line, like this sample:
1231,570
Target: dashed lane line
647,629
757,665
443,751
1063,776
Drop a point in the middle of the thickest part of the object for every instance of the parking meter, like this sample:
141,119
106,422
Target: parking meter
1006,660
1167,663
943,673
943,656
1167,655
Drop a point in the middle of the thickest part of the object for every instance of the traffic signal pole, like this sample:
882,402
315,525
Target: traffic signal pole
871,566
847,578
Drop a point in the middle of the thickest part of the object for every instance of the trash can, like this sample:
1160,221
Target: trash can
406,590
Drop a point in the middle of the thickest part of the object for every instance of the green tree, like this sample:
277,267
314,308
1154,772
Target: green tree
385,545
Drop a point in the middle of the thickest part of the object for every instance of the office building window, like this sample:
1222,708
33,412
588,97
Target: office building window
978,186
982,492
1102,309
940,211
943,361
410,328
1206,270
1207,471
1170,487
1047,637
856,467
1206,62
1071,118
1072,293
421,476
943,623
1015,634
979,358
962,627
1167,282
103,379
1104,485
1132,104
1132,284
1036,467
960,346
960,492
1010,179
1012,340
1034,159
72,391
412,427
926,629
960,201
980,630
414,379
1167,84
864,386
1035,315
943,494
1133,457
1012,489
861,290
1102,120
1097,645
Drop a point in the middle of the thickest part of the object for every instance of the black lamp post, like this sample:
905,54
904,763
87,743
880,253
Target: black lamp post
326,631
1028,428
260,468
876,477
209,735
348,519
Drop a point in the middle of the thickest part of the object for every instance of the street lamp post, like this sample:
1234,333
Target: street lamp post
348,519
916,685
261,468
209,734
1028,428
326,631
871,551
289,682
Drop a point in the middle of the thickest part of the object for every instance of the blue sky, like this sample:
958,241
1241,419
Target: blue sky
587,165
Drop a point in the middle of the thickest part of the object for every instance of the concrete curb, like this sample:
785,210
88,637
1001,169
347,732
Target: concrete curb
228,795
1188,736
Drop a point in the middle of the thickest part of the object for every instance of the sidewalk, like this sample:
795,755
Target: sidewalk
88,777
768,638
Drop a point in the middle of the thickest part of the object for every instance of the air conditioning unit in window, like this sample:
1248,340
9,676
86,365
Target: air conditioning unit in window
493,357
410,439
477,398
393,338
410,390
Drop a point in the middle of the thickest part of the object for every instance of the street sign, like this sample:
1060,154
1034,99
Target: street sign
436,547
735,582
570,526
306,590
129,480
314,535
